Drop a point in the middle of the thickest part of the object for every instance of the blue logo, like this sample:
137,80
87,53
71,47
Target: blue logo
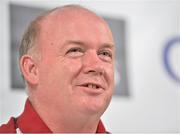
166,58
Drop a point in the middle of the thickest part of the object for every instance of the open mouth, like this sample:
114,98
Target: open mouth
93,88
91,85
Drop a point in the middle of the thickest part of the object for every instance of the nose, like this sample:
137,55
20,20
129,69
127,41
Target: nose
92,63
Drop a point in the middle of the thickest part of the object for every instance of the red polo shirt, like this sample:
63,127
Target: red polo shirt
30,122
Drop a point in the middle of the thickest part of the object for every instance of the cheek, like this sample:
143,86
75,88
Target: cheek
73,67
59,72
68,71
110,74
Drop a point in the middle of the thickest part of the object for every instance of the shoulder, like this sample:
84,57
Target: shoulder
9,127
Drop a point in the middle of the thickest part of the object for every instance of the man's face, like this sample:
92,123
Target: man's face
76,67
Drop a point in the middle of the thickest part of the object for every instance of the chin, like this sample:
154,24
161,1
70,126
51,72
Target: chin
95,108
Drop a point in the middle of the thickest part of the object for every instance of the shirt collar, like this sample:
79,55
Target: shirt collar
30,122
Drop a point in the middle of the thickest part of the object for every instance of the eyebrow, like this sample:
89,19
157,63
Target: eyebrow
81,43
108,45
77,42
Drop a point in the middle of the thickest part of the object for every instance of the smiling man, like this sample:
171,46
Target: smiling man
67,61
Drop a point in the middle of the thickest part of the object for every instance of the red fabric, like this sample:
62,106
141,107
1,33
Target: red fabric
30,122
9,127
100,128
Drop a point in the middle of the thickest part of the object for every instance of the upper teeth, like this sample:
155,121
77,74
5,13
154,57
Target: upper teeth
91,86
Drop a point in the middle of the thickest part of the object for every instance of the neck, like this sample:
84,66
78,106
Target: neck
73,126
61,120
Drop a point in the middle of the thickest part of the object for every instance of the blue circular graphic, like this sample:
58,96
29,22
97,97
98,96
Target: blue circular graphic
166,58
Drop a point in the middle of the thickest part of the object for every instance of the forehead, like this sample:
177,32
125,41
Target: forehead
74,24
72,15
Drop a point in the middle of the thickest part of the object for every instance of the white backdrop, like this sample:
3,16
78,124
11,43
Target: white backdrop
153,104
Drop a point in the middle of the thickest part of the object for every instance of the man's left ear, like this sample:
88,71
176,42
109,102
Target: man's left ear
29,69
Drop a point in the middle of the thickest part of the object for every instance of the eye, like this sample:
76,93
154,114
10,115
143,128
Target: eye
75,52
105,55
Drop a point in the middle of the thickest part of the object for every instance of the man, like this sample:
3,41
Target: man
66,58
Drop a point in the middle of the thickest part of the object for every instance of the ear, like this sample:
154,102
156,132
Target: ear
29,69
